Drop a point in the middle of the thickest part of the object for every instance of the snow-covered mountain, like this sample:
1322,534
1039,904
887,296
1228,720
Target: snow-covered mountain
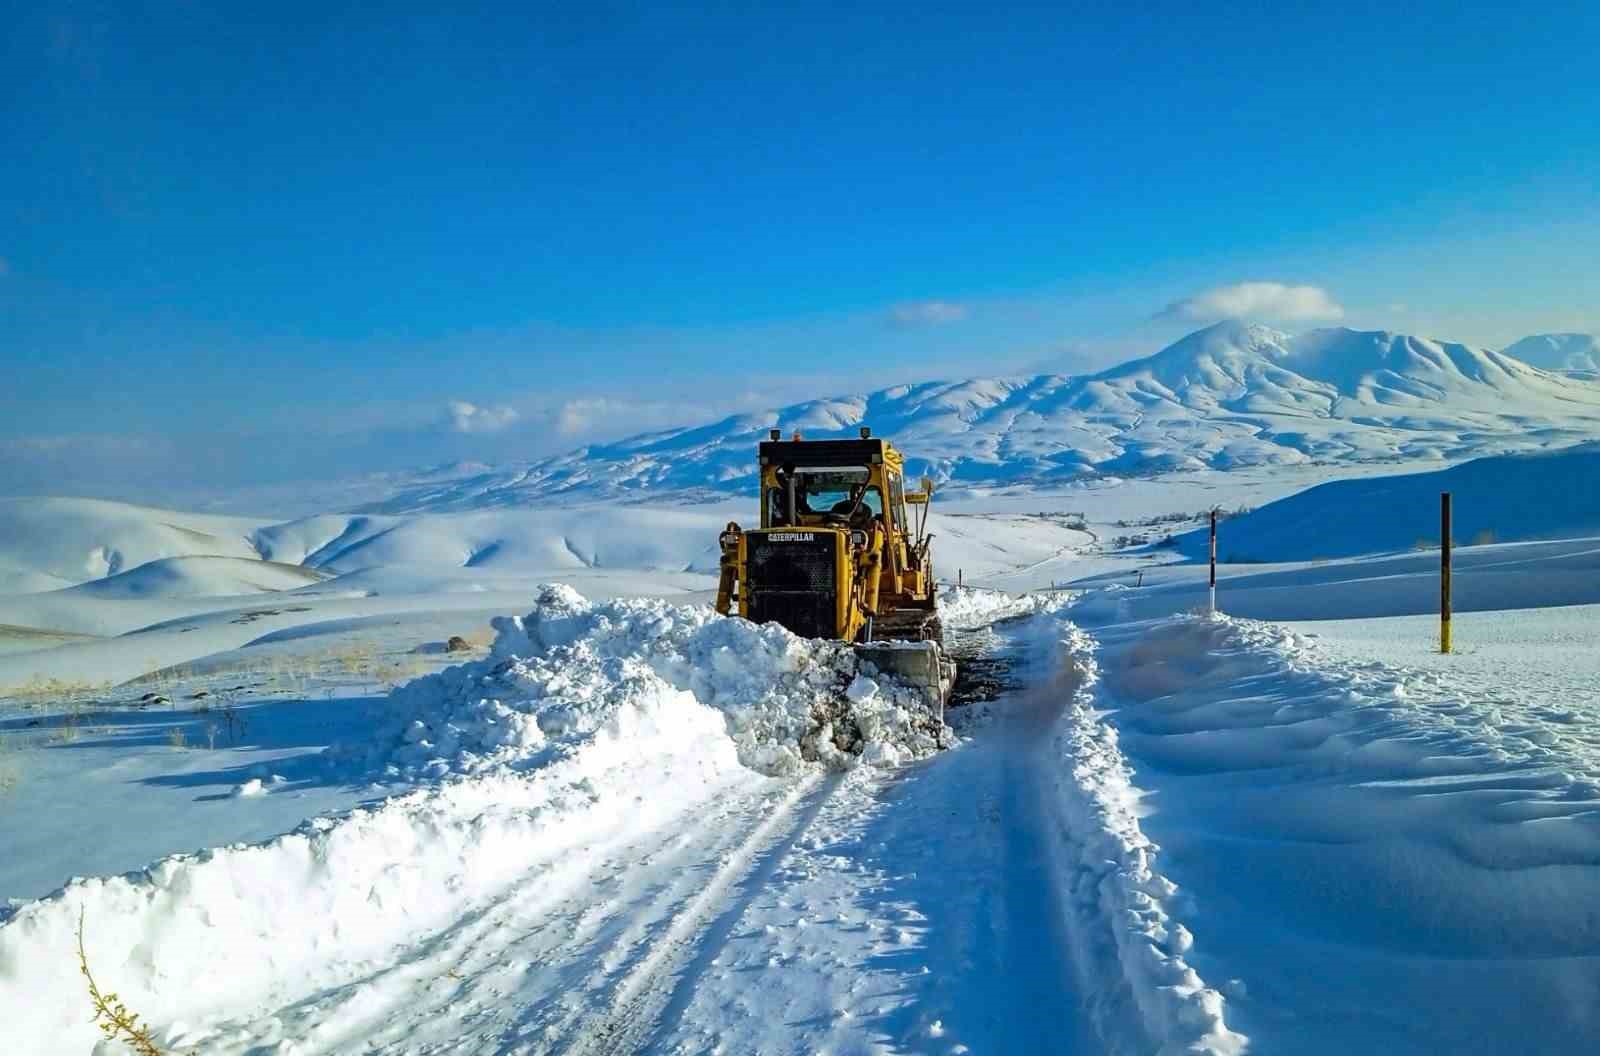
1565,352
1227,396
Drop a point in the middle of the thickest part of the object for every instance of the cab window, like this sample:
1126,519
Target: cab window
897,500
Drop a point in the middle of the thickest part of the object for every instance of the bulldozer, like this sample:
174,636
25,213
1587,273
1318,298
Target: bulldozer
839,555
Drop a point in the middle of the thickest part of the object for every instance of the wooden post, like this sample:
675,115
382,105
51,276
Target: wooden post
1444,572
1213,560
958,579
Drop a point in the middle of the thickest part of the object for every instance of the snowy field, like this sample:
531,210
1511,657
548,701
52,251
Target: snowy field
611,821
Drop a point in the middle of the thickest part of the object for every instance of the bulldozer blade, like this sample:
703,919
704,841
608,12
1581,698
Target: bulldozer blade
922,665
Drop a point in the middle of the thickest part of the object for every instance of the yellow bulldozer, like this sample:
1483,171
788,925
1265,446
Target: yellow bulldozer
839,555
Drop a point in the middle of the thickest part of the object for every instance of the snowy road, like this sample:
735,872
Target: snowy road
922,911
1181,835
582,955
878,911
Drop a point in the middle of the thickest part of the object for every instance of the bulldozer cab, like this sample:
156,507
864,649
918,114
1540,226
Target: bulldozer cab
822,497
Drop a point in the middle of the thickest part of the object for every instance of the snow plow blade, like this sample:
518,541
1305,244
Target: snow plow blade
922,665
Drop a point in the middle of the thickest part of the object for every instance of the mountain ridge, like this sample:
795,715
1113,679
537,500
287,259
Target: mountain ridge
1230,395
1558,351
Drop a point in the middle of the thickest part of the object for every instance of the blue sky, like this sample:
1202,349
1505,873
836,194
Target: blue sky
243,244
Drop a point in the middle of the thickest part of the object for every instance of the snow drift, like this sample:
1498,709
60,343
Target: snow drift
961,608
1390,860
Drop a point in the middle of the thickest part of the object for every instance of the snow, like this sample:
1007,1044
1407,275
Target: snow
104,782
570,673
966,607
48,543
197,940
201,576
1180,835
628,824
1227,397
1115,875
1510,498
1485,578
1568,352
1390,860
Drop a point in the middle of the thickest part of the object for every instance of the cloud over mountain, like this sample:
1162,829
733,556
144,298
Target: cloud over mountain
1273,301
470,418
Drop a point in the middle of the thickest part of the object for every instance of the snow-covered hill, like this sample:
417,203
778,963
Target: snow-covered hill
1508,498
201,577
1564,352
1227,396
46,544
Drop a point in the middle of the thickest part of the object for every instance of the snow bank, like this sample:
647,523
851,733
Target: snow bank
963,607
1115,883
587,725
210,937
571,672
1393,860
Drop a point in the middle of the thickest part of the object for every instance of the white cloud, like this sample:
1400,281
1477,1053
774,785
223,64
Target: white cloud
470,418
580,416
928,313
1274,301
602,418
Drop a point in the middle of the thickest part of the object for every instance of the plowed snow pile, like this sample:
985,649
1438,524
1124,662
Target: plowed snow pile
967,607
570,673
587,725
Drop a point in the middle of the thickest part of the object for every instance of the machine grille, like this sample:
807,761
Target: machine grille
792,583
792,565
808,614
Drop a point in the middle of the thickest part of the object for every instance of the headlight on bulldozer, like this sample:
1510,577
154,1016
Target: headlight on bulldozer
858,539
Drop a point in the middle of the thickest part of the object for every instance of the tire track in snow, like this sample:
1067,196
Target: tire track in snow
656,991
528,964
582,960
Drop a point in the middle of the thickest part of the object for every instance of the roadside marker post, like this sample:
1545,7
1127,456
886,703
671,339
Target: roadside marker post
1444,572
1213,560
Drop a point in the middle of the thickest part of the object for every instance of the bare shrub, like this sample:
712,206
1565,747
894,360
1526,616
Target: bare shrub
234,723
